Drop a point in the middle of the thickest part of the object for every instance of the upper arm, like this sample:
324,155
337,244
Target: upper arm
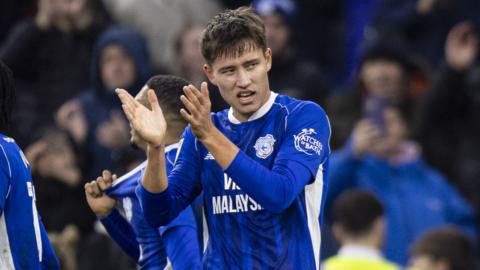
306,138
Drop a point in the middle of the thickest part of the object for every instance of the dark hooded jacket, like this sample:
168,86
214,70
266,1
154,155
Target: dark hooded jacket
98,103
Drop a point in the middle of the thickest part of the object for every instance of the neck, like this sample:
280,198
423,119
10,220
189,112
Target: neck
370,241
174,131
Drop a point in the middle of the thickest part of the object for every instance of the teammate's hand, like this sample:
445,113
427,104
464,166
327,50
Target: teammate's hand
97,200
150,125
197,113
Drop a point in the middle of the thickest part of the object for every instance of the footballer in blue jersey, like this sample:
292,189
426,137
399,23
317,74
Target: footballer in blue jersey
23,240
174,245
262,164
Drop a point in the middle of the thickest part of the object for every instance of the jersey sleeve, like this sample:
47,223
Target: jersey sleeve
304,149
181,241
122,233
5,178
307,137
183,186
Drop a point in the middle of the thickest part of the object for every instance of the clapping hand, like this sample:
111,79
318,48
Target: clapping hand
150,125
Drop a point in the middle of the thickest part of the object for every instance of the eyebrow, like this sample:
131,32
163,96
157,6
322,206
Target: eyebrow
252,61
225,68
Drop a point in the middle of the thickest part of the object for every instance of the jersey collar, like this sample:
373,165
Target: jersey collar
259,113
169,147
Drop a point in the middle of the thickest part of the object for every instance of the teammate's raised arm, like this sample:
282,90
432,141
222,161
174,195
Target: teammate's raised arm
151,126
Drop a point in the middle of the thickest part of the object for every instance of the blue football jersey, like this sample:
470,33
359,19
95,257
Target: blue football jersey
152,241
23,240
284,135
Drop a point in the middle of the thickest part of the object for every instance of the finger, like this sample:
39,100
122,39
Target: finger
186,116
128,113
90,189
153,100
96,192
190,94
204,90
106,174
104,184
114,177
189,105
198,93
87,188
126,98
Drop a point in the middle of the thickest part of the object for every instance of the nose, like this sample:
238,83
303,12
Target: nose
243,80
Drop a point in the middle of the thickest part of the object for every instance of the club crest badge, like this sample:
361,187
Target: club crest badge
306,143
264,146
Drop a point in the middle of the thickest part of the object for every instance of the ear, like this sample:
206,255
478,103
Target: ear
208,70
268,58
338,232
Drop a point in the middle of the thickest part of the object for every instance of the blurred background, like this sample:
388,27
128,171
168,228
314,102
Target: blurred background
399,80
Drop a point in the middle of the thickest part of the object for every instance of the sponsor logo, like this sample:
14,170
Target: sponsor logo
305,142
264,146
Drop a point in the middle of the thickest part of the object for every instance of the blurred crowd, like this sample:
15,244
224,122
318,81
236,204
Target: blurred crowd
399,80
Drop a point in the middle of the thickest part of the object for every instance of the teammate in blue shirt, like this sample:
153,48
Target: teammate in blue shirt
23,240
148,246
261,164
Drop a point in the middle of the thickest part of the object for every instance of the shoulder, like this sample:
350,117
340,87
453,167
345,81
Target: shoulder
130,177
301,112
295,106
10,155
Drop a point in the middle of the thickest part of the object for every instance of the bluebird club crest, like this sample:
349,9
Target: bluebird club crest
306,143
264,146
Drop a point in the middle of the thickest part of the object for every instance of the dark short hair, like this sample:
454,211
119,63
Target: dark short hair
168,89
7,95
356,211
231,33
446,243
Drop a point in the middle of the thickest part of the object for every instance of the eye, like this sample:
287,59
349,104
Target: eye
251,65
227,71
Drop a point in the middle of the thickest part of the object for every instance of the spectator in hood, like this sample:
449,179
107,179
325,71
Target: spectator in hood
291,74
94,119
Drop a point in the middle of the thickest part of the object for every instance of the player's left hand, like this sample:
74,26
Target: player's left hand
198,107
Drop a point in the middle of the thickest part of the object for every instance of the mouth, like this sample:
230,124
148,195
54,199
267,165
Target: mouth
246,97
